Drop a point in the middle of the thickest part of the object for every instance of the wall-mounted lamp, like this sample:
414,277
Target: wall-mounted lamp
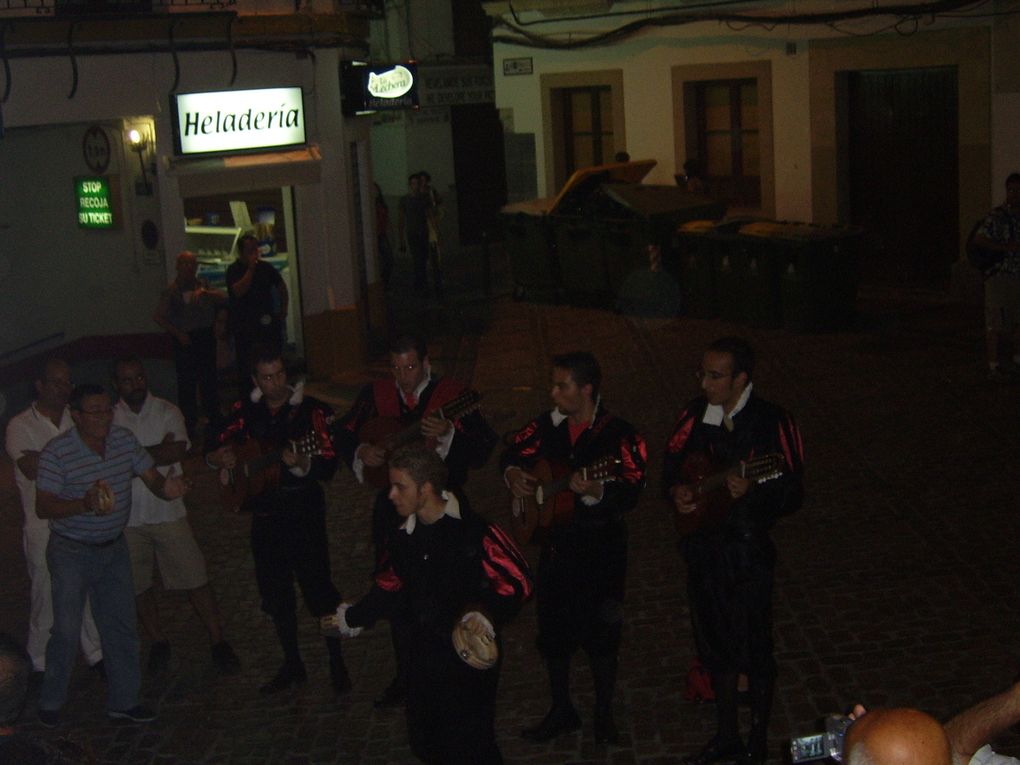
139,138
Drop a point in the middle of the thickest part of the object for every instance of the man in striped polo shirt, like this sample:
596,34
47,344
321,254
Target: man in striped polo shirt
84,489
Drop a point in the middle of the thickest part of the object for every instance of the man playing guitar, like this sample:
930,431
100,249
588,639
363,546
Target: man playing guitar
583,562
288,518
731,562
414,393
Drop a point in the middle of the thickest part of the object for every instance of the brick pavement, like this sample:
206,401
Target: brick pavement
897,582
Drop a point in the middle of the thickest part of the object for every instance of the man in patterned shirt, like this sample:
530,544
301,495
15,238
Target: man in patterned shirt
1001,233
84,489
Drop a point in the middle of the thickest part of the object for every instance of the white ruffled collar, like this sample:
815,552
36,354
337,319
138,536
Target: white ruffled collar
451,509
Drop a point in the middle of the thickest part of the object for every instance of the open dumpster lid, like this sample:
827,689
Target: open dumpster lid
582,184
652,201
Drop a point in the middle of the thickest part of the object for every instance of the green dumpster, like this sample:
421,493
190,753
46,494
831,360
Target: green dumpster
818,271
529,243
747,276
692,260
594,235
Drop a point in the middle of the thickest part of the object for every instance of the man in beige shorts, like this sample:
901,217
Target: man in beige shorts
158,531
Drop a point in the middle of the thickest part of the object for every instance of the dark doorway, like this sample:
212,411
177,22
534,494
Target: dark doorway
479,168
902,171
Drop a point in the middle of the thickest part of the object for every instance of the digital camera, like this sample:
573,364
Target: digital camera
822,745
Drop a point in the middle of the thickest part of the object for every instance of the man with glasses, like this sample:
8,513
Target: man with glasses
84,489
27,434
730,555
413,393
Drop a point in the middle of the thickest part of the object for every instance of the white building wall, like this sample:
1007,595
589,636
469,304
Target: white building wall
109,282
646,61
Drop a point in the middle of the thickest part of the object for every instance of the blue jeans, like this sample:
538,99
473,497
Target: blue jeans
103,573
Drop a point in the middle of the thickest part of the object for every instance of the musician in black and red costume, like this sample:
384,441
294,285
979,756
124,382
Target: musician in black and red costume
414,393
583,562
731,563
288,519
444,568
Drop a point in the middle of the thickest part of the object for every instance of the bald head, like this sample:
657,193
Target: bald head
897,737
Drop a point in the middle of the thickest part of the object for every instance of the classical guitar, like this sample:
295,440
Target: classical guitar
711,499
258,469
552,504
391,433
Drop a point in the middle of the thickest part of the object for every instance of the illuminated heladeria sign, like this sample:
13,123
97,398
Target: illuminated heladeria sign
239,120
95,208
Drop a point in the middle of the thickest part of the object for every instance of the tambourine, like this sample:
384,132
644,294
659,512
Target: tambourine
477,651
105,498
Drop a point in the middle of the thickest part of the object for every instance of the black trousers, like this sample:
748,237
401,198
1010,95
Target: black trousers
196,372
292,545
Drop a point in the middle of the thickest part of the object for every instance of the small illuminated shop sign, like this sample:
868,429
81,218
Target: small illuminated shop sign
238,120
367,89
95,203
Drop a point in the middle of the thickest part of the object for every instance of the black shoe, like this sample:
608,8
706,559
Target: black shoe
159,657
394,695
137,714
49,718
100,669
606,731
286,677
757,751
558,721
729,751
225,659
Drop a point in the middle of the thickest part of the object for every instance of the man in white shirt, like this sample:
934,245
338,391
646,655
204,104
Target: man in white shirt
27,434
158,530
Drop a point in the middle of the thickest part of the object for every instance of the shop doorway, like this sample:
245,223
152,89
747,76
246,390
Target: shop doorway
214,222
902,171
478,137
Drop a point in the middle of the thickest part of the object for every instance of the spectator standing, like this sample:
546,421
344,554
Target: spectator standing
1001,233
434,217
84,488
27,434
158,531
413,230
258,305
187,310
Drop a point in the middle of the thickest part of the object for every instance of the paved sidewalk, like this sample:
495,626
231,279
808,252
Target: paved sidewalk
898,582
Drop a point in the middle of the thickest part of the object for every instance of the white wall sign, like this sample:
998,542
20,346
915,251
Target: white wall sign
239,120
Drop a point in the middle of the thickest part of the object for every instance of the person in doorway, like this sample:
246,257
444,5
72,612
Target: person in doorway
413,231
187,310
258,305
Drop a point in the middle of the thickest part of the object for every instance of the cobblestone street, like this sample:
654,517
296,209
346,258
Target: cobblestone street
897,582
